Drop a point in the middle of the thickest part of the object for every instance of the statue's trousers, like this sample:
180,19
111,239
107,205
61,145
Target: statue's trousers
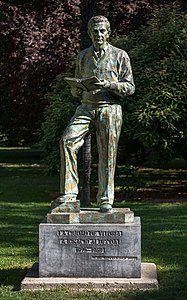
107,120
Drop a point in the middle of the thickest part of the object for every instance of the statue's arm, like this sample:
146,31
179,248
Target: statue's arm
125,86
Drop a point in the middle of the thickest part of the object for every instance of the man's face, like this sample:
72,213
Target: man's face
99,35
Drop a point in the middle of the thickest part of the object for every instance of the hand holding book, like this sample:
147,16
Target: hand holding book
86,84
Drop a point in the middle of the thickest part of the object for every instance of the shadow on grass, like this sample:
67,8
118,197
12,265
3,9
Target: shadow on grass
12,277
164,231
20,226
22,184
157,184
20,155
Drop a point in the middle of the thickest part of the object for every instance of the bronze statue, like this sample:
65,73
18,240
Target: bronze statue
103,76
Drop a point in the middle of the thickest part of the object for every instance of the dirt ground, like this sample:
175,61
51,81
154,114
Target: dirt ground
160,186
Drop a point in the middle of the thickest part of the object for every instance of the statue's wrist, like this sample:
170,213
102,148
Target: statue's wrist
113,86
110,85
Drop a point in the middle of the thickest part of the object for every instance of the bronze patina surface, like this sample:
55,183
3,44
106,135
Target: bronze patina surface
100,107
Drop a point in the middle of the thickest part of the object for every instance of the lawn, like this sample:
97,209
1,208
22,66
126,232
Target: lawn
24,201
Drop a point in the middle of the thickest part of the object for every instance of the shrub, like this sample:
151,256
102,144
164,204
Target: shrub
157,114
57,114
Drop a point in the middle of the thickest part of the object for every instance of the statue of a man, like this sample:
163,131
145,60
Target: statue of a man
99,107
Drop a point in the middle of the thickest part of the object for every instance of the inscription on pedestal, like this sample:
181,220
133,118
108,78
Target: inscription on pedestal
89,241
84,250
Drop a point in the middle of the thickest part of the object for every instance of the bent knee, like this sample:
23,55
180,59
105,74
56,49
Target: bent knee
71,144
67,143
64,141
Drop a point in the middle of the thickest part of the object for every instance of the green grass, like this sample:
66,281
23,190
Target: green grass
24,201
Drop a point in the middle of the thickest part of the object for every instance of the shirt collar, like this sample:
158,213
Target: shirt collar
101,53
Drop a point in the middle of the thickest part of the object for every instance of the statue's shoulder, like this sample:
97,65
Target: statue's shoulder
85,52
119,51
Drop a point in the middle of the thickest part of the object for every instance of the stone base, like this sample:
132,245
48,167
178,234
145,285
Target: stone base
147,281
92,216
90,250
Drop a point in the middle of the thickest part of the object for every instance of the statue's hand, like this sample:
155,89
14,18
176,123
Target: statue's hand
107,85
76,92
103,84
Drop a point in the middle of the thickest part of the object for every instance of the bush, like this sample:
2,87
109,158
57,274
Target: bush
57,114
157,114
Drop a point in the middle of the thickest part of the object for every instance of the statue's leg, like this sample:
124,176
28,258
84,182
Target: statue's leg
108,124
71,141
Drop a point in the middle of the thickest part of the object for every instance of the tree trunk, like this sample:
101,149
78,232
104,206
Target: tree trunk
87,158
87,8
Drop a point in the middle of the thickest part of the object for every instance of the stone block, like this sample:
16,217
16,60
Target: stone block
147,281
118,215
63,218
90,250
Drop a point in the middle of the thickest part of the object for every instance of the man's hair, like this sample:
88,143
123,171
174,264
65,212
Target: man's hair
98,19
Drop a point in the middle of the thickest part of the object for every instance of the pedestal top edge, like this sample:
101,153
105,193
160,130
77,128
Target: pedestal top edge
136,222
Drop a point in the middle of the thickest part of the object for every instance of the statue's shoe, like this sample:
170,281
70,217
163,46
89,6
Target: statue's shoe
67,198
106,207
62,201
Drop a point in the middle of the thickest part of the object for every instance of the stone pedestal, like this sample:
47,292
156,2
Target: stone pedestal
90,250
86,250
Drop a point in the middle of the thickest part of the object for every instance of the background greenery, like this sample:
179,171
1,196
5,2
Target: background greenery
38,41
155,117
57,114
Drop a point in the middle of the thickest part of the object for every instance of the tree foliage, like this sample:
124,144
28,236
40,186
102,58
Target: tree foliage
126,15
37,40
157,113
155,116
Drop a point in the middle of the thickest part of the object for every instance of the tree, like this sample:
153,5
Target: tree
157,113
37,40
125,15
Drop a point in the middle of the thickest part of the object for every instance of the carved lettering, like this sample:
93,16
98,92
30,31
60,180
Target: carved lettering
114,257
88,241
89,233
89,250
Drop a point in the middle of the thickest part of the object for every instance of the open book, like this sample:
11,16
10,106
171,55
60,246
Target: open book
86,84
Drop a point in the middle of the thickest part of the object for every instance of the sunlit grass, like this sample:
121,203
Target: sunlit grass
28,165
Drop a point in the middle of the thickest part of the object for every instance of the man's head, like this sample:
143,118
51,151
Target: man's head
99,31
